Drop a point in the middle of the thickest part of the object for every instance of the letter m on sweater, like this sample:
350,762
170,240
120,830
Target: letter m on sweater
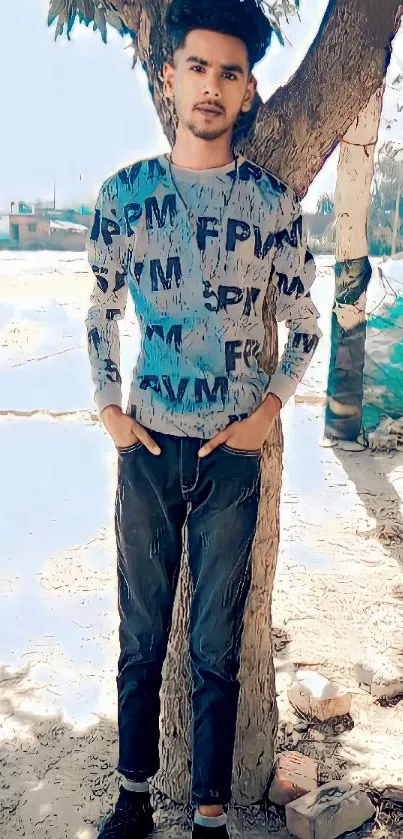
290,287
174,270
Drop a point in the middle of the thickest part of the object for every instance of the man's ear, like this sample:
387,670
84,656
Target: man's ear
250,93
168,73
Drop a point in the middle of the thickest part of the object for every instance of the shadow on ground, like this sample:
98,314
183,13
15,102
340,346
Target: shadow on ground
370,473
57,782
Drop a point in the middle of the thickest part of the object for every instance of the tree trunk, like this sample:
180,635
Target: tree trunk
257,718
295,131
352,274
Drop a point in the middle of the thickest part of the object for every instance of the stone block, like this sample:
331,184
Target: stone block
387,685
316,697
295,774
381,677
335,808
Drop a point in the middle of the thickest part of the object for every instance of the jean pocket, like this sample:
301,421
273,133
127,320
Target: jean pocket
241,452
128,449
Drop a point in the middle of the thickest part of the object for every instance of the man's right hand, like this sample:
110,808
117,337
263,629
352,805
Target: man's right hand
125,431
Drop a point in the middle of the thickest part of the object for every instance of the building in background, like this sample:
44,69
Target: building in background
28,227
27,230
67,235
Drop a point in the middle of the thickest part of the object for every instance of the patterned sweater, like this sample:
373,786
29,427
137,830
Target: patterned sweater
198,252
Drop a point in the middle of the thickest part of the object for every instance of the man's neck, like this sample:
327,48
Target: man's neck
192,152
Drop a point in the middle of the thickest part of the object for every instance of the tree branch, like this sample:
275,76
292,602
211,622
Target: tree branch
300,125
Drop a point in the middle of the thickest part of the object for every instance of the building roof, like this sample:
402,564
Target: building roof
56,224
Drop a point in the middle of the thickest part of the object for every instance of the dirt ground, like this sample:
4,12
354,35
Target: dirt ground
338,595
338,602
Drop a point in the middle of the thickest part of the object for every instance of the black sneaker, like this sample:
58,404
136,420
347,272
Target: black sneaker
200,832
132,817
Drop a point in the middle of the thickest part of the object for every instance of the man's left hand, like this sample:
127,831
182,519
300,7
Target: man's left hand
250,433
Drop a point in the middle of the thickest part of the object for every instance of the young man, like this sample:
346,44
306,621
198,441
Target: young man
199,237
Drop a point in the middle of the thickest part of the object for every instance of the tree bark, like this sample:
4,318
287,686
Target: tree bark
257,717
353,271
295,131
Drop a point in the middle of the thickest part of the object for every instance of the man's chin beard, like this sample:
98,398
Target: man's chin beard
205,134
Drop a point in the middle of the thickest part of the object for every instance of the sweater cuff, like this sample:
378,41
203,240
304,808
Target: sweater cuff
111,394
282,386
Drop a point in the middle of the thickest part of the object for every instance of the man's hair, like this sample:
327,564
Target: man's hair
243,19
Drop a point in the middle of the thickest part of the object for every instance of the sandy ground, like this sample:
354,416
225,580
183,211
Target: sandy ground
339,584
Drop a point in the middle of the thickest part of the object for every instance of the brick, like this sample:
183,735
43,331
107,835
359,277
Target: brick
294,775
335,808
316,697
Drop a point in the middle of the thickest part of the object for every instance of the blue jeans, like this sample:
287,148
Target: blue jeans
218,497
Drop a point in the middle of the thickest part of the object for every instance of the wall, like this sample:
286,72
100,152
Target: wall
27,236
63,240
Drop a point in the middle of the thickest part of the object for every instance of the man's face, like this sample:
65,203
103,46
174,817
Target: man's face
210,83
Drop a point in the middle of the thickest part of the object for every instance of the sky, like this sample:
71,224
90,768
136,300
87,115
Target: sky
76,111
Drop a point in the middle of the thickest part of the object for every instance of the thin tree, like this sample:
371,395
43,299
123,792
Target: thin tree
293,134
355,215
353,271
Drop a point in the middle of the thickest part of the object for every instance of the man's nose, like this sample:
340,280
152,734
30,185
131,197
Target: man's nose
212,88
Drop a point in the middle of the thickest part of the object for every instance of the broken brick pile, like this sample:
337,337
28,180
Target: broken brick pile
329,810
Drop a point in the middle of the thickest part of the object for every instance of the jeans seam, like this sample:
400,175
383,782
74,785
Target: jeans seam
185,489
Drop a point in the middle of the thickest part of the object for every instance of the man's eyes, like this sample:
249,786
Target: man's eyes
198,68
